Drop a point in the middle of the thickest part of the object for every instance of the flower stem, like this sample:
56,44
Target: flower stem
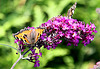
21,56
16,62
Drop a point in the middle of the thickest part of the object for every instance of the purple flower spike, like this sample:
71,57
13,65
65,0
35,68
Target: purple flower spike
97,66
70,29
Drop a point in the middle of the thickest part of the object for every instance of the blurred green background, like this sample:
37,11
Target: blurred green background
17,14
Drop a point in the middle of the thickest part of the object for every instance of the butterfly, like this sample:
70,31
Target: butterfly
71,11
29,36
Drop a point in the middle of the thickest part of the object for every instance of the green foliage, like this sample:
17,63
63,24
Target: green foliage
17,14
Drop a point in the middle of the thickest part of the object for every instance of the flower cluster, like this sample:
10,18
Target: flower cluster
33,57
70,29
56,28
97,66
21,45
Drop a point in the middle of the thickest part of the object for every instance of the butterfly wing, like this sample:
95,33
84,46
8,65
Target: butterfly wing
26,36
38,33
23,35
71,11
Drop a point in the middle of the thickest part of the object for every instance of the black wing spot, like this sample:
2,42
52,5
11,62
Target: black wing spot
16,37
24,40
25,35
21,39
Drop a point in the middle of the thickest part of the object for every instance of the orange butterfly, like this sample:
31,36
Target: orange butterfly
30,36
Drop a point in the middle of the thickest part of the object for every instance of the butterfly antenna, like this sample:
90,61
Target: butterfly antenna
71,11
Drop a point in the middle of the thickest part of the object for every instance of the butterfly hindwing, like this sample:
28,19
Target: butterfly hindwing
38,33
